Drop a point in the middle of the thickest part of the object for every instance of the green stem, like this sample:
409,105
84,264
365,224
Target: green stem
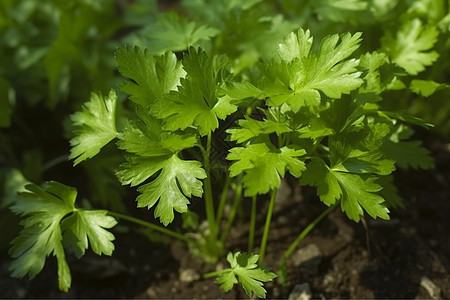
262,249
237,200
305,231
215,273
150,225
209,201
223,200
55,161
316,144
251,233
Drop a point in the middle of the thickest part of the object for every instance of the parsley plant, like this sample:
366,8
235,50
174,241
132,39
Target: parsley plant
282,99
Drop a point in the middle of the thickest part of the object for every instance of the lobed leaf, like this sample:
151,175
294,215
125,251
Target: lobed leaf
355,191
263,167
151,76
98,126
172,32
426,87
339,10
360,192
406,153
146,137
250,128
49,215
198,101
245,270
90,225
297,75
178,180
410,47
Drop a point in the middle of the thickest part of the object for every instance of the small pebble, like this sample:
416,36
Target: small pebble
433,290
301,292
150,292
308,258
189,275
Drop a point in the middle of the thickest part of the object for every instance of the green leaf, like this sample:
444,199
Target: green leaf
242,90
405,117
14,183
137,169
343,115
44,209
172,32
146,137
382,8
66,47
156,150
151,76
431,10
361,162
426,87
409,48
377,79
390,192
41,235
91,224
245,270
297,75
354,191
263,167
98,127
360,192
315,128
295,45
406,153
198,101
250,128
363,157
318,174
339,10
178,180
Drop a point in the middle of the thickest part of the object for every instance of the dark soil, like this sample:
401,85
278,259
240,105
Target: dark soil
371,259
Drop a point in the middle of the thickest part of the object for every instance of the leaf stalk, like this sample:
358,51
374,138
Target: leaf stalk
251,233
237,200
308,228
267,226
152,226
209,201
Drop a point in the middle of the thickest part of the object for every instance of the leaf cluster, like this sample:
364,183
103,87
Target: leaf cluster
51,223
324,91
244,266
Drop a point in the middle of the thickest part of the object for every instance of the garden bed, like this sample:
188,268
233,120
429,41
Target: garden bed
384,259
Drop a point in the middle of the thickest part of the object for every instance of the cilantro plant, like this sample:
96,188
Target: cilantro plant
281,101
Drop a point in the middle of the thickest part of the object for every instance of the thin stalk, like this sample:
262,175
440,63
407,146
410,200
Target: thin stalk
55,161
223,200
209,201
262,249
316,144
215,273
237,200
305,231
150,225
251,233
202,149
